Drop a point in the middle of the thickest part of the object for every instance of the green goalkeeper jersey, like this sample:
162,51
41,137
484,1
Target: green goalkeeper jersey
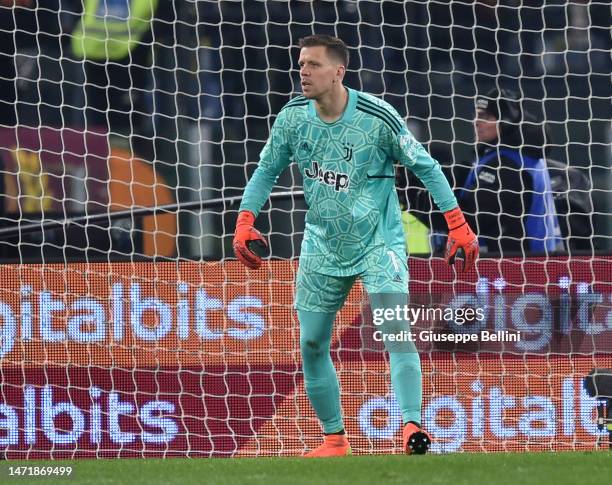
349,179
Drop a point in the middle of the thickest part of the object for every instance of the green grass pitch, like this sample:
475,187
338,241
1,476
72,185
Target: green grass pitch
578,468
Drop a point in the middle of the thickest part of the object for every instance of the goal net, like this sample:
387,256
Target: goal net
132,332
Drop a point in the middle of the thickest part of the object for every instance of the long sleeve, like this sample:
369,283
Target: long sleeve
409,152
274,158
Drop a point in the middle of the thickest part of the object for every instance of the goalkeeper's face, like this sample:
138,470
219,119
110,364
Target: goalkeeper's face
320,74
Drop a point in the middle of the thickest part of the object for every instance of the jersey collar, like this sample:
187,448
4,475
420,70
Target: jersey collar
346,117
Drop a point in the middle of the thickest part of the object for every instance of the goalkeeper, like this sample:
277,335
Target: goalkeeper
345,143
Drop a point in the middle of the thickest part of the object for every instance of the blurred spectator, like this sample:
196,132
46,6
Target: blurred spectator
508,191
33,65
114,40
507,195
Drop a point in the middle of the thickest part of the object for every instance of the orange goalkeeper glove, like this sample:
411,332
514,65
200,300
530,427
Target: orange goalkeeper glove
246,239
460,237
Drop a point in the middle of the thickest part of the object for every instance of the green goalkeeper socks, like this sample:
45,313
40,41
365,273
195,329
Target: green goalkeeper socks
406,379
406,376
320,379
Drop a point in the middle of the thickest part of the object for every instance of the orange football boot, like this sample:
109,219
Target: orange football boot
333,445
416,440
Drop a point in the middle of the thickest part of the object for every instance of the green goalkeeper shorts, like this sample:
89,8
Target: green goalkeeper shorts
317,292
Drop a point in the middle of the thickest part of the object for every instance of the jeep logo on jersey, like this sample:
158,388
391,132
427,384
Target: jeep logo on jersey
340,181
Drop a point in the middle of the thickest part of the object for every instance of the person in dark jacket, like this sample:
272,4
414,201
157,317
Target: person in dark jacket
507,193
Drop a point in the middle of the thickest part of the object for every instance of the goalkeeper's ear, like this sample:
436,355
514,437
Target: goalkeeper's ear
340,73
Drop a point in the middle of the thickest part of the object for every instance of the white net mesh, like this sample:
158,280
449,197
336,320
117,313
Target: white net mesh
140,336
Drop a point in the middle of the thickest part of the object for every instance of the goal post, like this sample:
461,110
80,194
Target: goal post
128,329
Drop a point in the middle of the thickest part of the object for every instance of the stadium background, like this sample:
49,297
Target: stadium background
221,71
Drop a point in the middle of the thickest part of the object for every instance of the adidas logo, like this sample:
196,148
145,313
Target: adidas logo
397,278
